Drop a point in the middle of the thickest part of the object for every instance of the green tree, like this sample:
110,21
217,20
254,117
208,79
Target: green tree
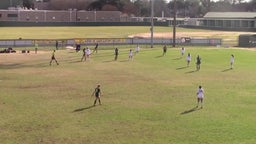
99,4
252,6
160,6
28,4
222,6
205,6
143,7
4,4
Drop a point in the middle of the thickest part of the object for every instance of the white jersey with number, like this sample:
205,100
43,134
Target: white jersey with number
88,51
232,59
188,58
183,51
200,93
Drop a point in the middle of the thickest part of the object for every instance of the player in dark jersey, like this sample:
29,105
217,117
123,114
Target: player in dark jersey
198,63
84,55
97,94
96,48
116,53
164,50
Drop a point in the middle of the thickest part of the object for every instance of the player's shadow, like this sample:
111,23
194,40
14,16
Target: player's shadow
190,110
23,65
225,70
191,71
82,109
177,58
181,68
159,56
125,60
108,61
76,61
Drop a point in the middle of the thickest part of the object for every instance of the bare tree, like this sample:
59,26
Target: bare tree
109,7
70,4
130,9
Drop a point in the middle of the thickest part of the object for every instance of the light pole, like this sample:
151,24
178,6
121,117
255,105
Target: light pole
184,8
174,24
152,23
95,15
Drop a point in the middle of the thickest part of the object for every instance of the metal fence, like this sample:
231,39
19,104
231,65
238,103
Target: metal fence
107,41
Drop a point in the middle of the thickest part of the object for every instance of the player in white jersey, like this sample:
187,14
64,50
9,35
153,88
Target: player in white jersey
188,59
200,96
232,60
88,53
130,54
182,51
137,49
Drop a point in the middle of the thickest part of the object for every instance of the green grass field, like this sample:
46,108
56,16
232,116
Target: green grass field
148,100
108,32
80,32
228,38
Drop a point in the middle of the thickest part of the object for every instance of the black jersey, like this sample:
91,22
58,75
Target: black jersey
97,92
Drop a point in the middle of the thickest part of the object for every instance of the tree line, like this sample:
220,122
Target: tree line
142,8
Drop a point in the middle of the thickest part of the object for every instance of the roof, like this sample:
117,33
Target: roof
230,15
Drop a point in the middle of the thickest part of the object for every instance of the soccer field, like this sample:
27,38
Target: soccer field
150,99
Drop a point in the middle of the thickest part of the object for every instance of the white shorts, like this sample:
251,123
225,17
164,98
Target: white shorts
200,96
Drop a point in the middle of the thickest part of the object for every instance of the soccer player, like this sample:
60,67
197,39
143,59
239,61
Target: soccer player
130,54
97,94
137,49
182,51
232,60
53,58
36,48
200,96
116,53
188,59
198,63
88,53
84,55
164,50
57,45
96,48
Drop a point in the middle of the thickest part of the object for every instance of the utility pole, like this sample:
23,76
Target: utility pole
174,24
152,23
